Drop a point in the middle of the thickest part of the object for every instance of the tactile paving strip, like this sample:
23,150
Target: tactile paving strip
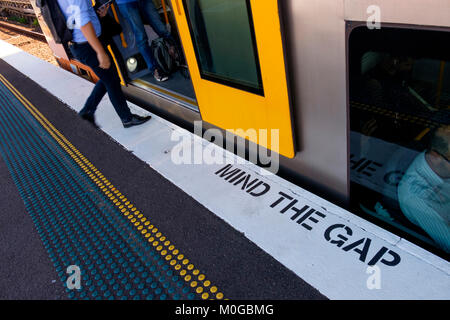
84,220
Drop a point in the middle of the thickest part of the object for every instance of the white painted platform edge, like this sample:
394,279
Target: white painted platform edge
46,75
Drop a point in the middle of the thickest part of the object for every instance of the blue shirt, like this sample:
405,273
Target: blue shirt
424,198
78,13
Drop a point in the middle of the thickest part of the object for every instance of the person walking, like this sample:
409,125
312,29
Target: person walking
88,49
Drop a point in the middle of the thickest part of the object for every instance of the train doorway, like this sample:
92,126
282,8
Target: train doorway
133,67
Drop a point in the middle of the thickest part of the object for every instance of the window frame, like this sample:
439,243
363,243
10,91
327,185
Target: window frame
350,26
217,79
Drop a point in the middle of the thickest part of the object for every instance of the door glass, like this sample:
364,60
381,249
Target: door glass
224,42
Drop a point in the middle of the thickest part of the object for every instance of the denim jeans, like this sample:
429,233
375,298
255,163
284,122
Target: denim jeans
109,82
136,13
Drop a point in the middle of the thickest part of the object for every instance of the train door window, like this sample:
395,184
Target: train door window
224,42
400,131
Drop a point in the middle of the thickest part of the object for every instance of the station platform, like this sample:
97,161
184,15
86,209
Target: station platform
112,202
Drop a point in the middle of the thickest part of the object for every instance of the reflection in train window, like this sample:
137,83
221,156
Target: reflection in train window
224,42
400,131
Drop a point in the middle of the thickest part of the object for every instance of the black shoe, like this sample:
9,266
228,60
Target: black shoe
160,76
90,118
136,120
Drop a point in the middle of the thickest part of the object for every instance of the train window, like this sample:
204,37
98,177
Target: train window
224,42
400,131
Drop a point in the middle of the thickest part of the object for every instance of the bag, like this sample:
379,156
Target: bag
110,27
55,20
164,61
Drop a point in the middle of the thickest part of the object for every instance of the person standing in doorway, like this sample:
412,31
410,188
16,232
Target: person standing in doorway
88,49
136,12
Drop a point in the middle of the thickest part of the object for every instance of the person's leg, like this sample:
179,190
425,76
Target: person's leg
94,99
109,81
99,90
130,11
151,16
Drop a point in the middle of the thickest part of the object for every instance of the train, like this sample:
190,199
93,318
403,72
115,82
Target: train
355,89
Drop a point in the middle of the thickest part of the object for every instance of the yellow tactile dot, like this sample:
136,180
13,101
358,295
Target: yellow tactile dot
201,277
219,296
130,217
159,248
162,238
140,228
193,283
164,252
147,223
133,220
121,206
158,234
144,231
199,290
168,257
195,272
182,272
147,235
171,247
155,230
177,267
134,209
180,257
151,227
213,289
188,278
123,210
155,243
185,261
175,252
136,223
127,203
207,283
190,267
140,215
126,213
166,243
205,296
173,262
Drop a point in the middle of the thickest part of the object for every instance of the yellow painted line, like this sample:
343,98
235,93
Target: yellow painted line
395,115
422,134
176,259
122,81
